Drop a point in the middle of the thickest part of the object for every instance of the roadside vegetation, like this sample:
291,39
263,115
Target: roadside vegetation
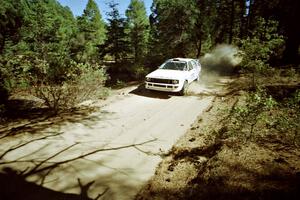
247,148
47,52
246,144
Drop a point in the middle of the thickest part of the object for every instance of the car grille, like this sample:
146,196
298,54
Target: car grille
158,80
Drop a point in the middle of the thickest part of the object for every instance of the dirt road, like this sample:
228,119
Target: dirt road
118,146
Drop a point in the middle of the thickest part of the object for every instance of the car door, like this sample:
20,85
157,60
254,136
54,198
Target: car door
191,72
197,68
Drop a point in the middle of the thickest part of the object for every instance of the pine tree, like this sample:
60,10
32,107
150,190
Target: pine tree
10,21
91,33
116,44
174,21
138,24
203,30
43,45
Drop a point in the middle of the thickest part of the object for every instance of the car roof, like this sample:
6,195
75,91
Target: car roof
181,59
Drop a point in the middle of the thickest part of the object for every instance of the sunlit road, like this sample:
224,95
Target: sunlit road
118,147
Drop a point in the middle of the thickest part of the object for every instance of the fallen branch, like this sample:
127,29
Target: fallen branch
26,143
37,168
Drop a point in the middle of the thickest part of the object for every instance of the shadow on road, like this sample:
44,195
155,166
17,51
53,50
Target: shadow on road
141,91
14,186
22,119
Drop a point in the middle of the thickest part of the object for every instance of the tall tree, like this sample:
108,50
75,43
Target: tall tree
174,21
116,44
10,21
290,27
203,30
138,24
43,44
91,32
228,21
285,12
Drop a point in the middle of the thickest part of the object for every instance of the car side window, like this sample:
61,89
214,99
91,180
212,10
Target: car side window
194,63
190,66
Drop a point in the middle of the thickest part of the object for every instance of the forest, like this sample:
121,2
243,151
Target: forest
238,137
47,51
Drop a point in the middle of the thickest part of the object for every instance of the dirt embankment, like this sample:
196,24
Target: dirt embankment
206,165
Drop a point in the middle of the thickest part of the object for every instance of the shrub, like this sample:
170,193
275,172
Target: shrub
85,81
138,71
262,118
258,49
4,93
60,84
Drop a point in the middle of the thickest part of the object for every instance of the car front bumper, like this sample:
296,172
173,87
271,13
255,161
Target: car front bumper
163,87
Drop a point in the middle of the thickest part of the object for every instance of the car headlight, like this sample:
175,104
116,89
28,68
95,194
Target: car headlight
175,81
148,79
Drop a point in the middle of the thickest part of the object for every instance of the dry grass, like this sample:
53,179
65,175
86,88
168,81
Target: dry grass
209,163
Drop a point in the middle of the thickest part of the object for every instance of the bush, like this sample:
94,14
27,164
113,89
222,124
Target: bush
4,93
262,118
138,71
85,81
258,49
60,82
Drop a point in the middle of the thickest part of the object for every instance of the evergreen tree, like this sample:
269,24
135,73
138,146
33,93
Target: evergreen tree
42,50
138,24
204,30
228,21
116,44
285,12
10,21
174,21
91,33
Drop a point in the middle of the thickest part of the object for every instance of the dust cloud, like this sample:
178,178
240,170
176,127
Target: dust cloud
223,59
216,65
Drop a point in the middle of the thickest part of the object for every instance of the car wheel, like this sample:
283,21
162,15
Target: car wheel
198,77
184,89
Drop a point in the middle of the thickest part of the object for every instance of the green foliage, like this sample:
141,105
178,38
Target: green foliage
264,44
91,33
261,118
120,84
60,88
3,93
137,24
10,21
139,71
295,100
41,40
174,22
203,29
116,43
85,81
41,59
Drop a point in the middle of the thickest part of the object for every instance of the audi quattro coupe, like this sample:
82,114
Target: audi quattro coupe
174,75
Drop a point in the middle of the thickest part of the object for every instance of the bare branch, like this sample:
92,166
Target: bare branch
26,143
35,170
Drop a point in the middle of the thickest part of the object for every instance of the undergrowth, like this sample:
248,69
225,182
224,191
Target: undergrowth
265,116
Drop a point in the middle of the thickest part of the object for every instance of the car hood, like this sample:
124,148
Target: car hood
167,74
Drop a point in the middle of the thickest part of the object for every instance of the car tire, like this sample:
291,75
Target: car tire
198,78
183,91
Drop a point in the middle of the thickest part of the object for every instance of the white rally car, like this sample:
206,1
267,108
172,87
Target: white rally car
174,75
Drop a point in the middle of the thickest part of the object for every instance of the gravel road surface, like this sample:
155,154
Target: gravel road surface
118,146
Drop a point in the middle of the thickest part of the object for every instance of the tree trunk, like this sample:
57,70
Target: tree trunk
199,47
232,14
249,16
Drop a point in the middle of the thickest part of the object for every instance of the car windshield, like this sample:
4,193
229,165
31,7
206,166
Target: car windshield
174,65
